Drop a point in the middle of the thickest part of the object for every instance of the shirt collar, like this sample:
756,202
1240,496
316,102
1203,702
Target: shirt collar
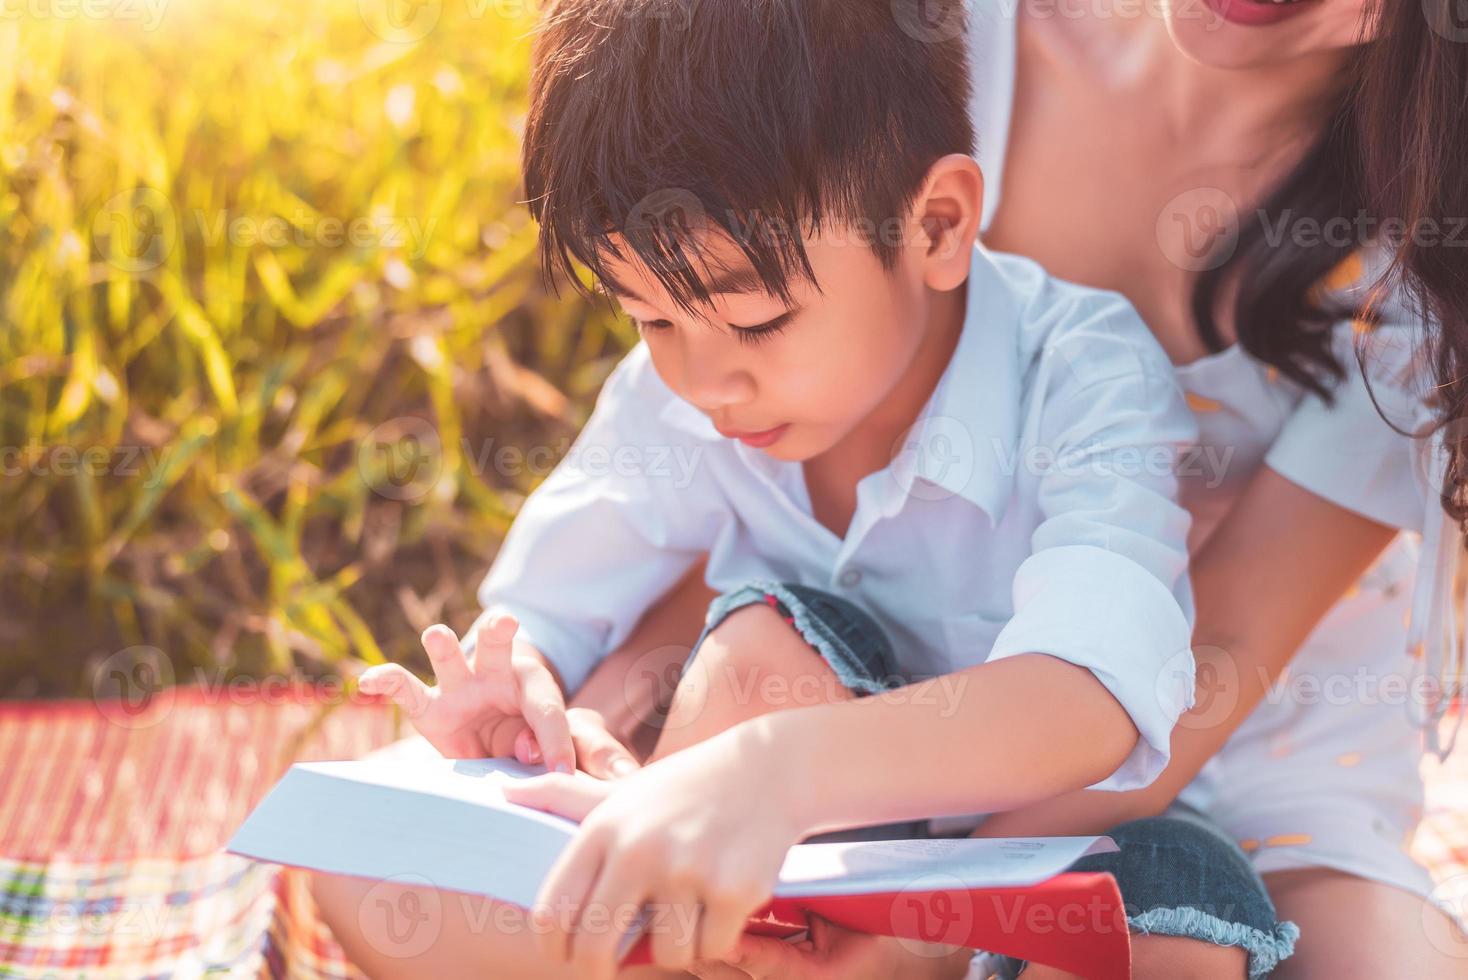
964,442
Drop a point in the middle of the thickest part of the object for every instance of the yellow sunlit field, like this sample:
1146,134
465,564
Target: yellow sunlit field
276,360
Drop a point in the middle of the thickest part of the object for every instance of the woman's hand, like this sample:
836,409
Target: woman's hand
698,836
833,953
481,708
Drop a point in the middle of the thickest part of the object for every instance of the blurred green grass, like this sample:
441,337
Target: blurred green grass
269,312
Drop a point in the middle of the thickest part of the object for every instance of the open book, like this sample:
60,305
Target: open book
446,822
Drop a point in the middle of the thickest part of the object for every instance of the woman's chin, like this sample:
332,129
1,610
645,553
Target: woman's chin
1239,35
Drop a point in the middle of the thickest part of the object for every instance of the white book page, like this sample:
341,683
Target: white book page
442,823
445,823
867,867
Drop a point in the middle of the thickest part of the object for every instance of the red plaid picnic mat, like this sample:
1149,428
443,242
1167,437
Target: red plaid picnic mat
111,820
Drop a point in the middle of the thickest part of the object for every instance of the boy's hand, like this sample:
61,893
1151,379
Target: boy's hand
699,835
598,752
480,709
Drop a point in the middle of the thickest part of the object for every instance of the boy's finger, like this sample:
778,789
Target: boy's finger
598,751
397,684
722,925
527,749
493,643
572,797
449,664
544,709
716,970
559,904
760,957
615,899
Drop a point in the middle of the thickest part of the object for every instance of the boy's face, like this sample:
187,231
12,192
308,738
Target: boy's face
792,379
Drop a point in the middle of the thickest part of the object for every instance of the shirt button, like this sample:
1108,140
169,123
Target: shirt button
850,578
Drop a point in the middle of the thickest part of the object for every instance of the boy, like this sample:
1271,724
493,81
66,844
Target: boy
931,481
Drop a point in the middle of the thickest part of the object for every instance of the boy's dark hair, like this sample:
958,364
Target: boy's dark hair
765,118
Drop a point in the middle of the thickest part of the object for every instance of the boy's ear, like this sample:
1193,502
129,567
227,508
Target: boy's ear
949,209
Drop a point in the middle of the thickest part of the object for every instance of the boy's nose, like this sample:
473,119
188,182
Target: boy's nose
714,385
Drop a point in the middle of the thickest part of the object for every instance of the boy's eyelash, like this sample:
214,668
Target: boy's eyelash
747,335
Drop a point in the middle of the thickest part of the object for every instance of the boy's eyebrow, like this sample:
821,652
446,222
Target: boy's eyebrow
726,282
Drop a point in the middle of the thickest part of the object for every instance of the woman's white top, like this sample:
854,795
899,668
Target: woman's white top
1325,773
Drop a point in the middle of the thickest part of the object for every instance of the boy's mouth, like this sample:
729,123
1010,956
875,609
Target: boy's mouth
759,440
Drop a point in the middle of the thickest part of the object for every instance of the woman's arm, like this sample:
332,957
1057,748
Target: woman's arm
1268,574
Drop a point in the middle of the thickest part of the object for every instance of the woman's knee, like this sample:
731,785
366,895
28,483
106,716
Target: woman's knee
403,927
1350,924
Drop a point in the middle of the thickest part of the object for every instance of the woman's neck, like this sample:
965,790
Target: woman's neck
1268,106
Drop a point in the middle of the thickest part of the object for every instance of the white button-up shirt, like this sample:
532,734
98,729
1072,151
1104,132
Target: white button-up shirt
1031,509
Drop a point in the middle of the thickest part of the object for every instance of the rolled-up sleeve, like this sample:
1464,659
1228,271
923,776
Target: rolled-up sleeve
1106,584
623,516
1355,450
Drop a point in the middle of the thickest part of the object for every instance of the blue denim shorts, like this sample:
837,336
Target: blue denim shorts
852,643
1179,874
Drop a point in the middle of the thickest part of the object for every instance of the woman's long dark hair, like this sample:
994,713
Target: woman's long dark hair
1394,151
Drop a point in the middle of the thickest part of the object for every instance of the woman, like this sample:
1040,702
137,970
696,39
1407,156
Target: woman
1203,160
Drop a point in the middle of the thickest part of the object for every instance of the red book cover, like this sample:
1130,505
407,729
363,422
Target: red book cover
1073,921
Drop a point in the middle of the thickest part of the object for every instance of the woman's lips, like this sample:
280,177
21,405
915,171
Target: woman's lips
758,440
1255,13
